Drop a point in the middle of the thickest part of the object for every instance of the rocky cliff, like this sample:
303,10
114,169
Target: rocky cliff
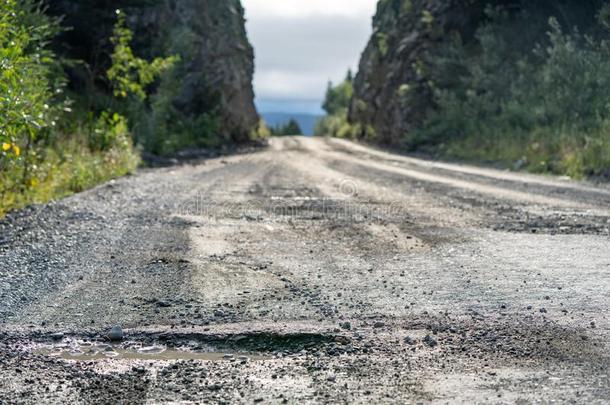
217,61
391,97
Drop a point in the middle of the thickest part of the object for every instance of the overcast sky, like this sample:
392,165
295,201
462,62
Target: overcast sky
301,44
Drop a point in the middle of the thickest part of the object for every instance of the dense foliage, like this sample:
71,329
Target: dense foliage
129,74
336,104
28,87
47,148
524,83
338,97
290,128
205,101
540,99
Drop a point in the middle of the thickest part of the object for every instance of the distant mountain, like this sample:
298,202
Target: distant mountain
307,122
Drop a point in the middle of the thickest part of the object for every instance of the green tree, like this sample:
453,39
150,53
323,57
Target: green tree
541,99
29,84
338,97
128,73
293,128
290,128
336,104
46,149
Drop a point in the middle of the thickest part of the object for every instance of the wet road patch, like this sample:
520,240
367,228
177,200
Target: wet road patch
173,346
84,350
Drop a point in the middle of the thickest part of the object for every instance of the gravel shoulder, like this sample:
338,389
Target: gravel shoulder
312,271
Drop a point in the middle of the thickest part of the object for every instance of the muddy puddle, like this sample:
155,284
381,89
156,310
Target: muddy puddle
78,350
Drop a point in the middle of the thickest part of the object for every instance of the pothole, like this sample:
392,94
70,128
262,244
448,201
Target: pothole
84,350
178,346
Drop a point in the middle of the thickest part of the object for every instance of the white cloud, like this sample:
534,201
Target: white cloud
292,85
303,8
280,84
301,44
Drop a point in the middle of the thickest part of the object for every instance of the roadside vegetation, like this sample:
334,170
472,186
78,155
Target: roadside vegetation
52,143
539,100
523,90
336,105
290,128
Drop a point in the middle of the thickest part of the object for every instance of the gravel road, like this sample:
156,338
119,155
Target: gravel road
310,271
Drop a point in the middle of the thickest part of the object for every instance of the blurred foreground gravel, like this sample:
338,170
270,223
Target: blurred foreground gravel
312,271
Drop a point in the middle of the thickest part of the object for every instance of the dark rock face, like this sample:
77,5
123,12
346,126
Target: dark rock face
209,35
390,100
402,32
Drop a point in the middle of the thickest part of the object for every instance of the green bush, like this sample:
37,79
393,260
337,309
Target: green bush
336,104
29,84
546,106
338,97
290,128
46,149
166,128
129,75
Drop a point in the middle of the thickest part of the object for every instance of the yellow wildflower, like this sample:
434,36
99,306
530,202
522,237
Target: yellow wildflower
6,146
16,150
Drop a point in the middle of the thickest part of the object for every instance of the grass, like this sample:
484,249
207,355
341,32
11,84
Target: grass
569,152
67,170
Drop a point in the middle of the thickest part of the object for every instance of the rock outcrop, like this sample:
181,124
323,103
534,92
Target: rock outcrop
390,96
209,35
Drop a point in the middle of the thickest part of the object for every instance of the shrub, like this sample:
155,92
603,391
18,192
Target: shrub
29,84
261,132
290,128
338,97
336,104
128,73
165,127
502,99
46,149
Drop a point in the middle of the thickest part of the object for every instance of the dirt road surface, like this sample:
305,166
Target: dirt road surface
311,271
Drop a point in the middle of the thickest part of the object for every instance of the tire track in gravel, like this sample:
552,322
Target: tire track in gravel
355,275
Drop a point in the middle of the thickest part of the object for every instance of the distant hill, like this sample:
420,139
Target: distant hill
307,122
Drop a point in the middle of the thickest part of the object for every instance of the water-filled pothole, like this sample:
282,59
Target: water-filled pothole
82,350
